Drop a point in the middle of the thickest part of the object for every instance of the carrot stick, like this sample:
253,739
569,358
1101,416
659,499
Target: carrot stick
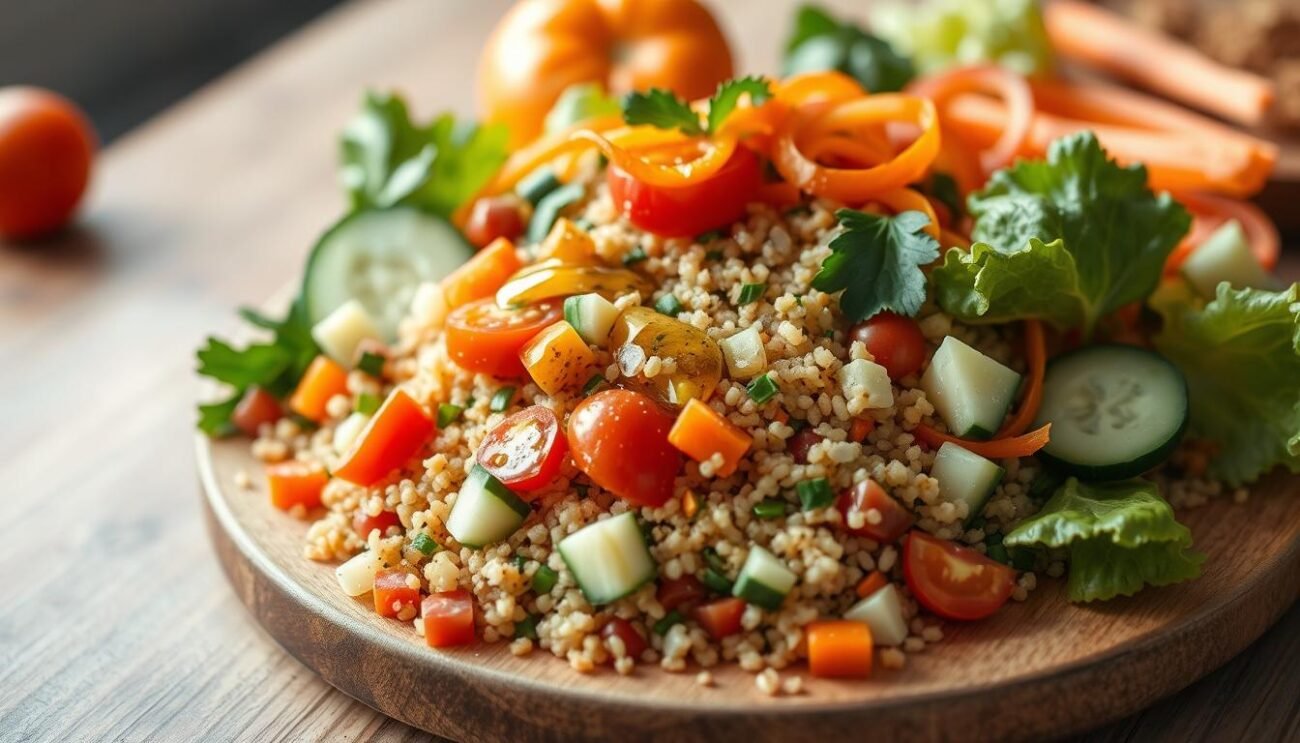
1105,40
1009,448
1210,212
1036,359
839,648
874,581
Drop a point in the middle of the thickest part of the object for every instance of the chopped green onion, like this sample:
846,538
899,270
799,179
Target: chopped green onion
371,363
714,255
714,560
750,293
669,305
798,424
762,389
425,544
998,552
367,403
544,580
537,184
663,625
707,237
448,414
583,224
772,508
815,493
519,561
717,582
469,402
634,256
501,399
593,384
526,628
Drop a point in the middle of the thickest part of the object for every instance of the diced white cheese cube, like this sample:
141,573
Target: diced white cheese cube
744,352
862,376
357,576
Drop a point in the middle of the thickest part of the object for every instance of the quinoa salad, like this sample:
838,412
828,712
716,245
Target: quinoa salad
792,376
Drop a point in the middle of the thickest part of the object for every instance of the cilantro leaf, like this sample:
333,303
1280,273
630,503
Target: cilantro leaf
728,95
876,261
1040,280
662,109
1121,536
1241,357
1117,231
819,42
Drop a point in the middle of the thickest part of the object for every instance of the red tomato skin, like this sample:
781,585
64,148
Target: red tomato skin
801,442
494,217
721,618
683,591
396,432
895,341
363,523
633,642
546,459
949,606
688,210
391,588
895,518
46,149
619,438
255,408
494,351
448,618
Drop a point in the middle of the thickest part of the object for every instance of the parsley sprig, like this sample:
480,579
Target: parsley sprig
663,109
876,260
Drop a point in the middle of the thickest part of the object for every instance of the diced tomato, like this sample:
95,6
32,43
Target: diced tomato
448,618
323,380
525,451
801,442
680,591
295,483
482,337
720,618
495,217
393,435
393,593
620,440
688,210
363,523
894,521
952,581
633,642
256,408
895,341
839,649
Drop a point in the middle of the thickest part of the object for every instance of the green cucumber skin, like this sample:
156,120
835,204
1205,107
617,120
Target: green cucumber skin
601,600
757,594
976,433
536,185
975,512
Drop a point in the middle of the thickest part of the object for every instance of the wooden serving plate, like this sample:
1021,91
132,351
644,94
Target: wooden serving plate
1044,667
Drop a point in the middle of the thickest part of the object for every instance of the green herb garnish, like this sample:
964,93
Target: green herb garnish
527,627
750,293
501,399
820,42
367,403
663,109
772,508
815,494
448,414
762,389
716,582
669,305
877,262
662,626
544,580
371,363
424,544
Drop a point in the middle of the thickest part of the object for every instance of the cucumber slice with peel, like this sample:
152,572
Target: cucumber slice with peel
485,511
609,558
965,477
882,611
971,391
763,580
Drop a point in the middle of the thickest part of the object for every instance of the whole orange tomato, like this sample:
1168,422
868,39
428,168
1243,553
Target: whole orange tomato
542,47
46,147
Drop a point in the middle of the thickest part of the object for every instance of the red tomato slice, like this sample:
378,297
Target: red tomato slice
393,594
363,523
448,618
895,519
721,618
256,408
525,451
483,337
494,217
395,434
633,642
801,442
620,440
895,341
952,581
688,210
684,590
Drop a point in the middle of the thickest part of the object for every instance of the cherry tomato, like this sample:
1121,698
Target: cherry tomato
255,408
684,590
895,519
620,440
801,442
483,337
363,523
448,618
952,581
493,217
633,642
894,340
721,618
688,210
393,594
525,451
46,148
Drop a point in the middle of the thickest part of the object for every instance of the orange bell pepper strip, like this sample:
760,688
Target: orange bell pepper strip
701,432
323,380
839,649
295,483
874,581
1036,359
1009,448
482,274
1008,86
394,434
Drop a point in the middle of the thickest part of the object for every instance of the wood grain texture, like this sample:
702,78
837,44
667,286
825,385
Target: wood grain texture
118,623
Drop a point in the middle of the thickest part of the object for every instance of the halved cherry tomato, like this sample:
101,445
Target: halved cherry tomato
392,436
633,642
363,523
46,149
952,581
895,520
295,483
483,337
448,618
895,341
721,618
684,590
689,210
801,442
620,440
495,217
525,451
393,594
255,408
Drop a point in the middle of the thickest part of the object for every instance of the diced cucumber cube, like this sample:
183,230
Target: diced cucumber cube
764,580
965,477
882,611
744,352
342,330
971,391
862,376
609,559
486,511
1225,256
592,316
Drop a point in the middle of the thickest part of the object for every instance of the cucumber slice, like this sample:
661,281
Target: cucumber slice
379,257
764,580
1225,256
971,391
882,611
549,207
592,316
537,184
486,511
609,559
965,477
1116,411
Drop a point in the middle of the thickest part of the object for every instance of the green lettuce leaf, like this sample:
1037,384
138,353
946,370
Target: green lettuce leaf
1121,536
876,261
1241,356
940,34
1117,232
819,42
1040,280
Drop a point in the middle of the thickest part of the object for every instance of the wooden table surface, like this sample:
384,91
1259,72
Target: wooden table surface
119,624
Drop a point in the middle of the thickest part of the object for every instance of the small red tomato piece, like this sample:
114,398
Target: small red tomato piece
952,581
494,217
393,594
895,341
483,337
525,450
620,440
46,149
866,496
633,642
256,408
720,618
363,523
801,442
676,592
448,618
688,210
